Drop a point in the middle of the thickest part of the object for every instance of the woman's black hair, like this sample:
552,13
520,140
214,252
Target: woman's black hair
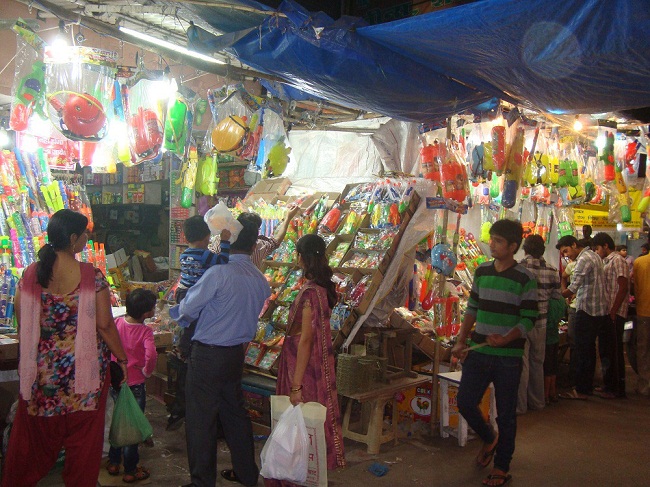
139,302
63,224
312,249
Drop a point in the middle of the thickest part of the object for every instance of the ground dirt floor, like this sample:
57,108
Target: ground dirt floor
596,442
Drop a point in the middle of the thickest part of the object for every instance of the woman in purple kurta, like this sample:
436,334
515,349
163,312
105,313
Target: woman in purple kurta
306,370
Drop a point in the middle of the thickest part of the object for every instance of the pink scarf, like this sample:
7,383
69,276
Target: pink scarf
85,344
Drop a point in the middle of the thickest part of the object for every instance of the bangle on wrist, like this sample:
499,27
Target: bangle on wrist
123,361
296,389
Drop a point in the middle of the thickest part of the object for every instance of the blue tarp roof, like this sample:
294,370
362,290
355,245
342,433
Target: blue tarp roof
574,56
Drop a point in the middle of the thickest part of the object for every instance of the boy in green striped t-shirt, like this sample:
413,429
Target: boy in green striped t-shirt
503,306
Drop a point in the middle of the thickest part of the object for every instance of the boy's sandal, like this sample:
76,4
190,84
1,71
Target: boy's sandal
113,469
495,479
140,473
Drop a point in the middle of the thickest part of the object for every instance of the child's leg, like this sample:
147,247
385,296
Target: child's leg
115,455
131,454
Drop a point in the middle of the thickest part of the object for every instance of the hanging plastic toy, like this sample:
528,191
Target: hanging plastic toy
443,259
229,134
278,158
187,178
608,157
499,148
513,170
147,131
80,90
176,125
29,97
81,116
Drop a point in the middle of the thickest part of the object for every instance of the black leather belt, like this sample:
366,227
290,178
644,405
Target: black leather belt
216,347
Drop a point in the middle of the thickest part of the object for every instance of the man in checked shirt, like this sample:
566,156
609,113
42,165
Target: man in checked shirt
610,337
592,307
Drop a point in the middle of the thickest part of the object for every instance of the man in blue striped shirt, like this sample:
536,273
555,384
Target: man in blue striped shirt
503,305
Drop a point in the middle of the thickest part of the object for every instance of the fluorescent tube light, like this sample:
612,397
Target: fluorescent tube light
169,45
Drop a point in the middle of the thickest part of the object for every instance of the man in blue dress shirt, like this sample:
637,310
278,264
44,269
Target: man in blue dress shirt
227,301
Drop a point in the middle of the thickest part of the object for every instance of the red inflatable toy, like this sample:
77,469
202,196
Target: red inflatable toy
82,116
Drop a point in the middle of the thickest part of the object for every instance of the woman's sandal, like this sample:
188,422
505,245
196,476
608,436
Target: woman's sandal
140,473
113,469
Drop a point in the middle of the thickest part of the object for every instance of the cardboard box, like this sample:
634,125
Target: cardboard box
157,386
452,392
426,345
116,259
414,404
268,189
8,348
163,339
161,363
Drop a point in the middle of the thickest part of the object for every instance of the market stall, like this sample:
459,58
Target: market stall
405,208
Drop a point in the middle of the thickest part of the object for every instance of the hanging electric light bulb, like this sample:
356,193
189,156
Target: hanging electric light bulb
60,44
577,125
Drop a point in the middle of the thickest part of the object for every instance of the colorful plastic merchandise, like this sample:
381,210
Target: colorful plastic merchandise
375,239
340,313
28,196
338,254
277,276
291,287
367,259
353,219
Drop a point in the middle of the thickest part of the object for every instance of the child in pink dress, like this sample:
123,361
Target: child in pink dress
138,343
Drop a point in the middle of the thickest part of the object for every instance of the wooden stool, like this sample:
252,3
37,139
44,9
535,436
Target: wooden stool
453,378
377,398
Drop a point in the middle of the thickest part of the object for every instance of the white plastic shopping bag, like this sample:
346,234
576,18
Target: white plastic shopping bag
285,453
313,415
220,218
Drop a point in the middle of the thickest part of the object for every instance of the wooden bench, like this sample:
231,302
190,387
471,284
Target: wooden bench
376,399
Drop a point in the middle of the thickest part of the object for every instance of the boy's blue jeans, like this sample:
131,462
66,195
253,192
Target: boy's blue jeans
479,370
131,455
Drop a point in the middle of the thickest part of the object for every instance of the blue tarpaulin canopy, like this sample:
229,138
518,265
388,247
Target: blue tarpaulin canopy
574,56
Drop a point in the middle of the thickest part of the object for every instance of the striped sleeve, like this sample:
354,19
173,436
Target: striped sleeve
224,255
528,307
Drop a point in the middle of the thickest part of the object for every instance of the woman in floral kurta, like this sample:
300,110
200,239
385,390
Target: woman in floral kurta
53,392
66,331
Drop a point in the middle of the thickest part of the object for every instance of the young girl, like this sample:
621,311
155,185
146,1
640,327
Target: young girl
137,340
